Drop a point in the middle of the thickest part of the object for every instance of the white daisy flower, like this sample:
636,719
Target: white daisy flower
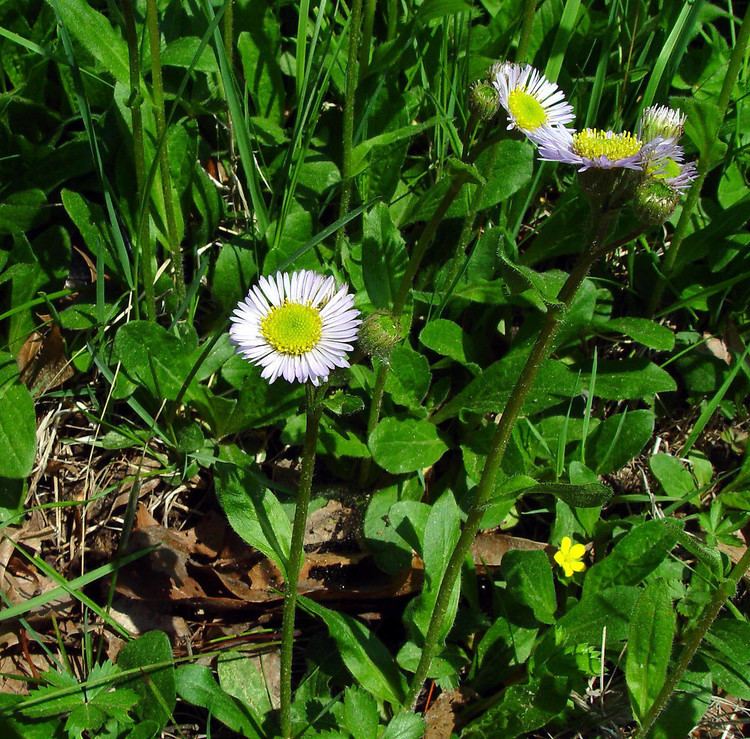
297,326
595,149
659,121
533,103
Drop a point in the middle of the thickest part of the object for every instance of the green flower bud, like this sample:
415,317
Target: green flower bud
659,120
654,201
378,335
484,100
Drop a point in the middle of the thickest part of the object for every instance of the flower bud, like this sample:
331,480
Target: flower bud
378,335
654,201
659,121
484,100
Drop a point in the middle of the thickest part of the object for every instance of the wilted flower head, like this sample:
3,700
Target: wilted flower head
532,102
659,121
297,326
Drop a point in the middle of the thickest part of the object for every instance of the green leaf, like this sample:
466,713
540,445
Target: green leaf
588,495
96,34
609,608
181,53
506,166
383,256
233,275
405,446
521,710
619,439
240,677
636,555
21,210
253,511
439,539
652,629
672,475
405,726
259,54
686,708
631,378
17,431
446,338
529,577
343,404
409,377
154,357
489,392
702,127
156,688
364,655
645,332
360,713
433,9
196,685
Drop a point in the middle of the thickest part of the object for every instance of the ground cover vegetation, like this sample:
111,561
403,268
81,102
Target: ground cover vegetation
438,309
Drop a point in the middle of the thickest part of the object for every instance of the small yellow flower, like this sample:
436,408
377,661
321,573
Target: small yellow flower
569,556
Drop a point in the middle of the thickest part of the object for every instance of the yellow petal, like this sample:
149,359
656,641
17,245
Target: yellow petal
568,569
577,551
560,559
565,544
577,566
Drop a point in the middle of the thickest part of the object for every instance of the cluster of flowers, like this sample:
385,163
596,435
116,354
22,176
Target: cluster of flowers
300,326
537,107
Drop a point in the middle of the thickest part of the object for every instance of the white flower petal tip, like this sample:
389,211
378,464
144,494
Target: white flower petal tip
534,104
296,325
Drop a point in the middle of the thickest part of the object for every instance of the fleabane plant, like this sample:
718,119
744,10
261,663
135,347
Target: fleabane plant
297,326
612,167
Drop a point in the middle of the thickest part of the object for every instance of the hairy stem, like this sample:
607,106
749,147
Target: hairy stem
539,352
529,8
349,101
722,593
296,552
161,131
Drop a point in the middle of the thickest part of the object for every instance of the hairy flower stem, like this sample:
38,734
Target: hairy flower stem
367,26
161,131
412,268
139,157
355,20
693,196
529,8
312,412
539,352
722,593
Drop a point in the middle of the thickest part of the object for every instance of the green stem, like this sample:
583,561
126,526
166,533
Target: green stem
296,552
539,352
529,8
722,593
139,157
425,239
161,131
376,406
229,32
348,128
730,80
392,20
367,26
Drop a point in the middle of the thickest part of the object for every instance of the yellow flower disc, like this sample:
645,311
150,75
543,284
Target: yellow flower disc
292,328
527,111
592,143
